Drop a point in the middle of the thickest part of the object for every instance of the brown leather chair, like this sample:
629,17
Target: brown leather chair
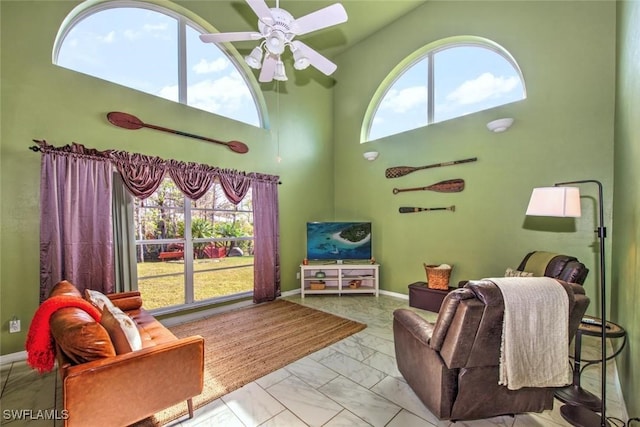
549,264
563,267
453,364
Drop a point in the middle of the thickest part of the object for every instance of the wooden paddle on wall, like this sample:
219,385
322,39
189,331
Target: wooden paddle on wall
129,121
398,171
448,186
406,209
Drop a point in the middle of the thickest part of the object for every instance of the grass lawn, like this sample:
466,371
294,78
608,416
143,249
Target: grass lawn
161,284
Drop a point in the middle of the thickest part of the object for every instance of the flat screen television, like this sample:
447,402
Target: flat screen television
338,240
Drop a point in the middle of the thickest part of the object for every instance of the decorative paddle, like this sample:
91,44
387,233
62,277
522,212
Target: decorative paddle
398,171
405,209
448,186
128,121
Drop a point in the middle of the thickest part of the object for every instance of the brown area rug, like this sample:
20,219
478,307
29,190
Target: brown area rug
246,344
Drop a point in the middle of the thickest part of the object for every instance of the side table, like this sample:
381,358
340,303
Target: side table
574,393
421,296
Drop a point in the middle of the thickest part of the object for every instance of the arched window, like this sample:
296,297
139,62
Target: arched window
156,50
442,81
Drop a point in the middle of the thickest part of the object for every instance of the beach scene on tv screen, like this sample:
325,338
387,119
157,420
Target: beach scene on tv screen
339,240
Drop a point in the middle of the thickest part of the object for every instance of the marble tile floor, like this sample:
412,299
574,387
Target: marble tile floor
354,382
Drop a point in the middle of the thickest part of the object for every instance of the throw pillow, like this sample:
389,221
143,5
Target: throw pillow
517,273
98,299
122,330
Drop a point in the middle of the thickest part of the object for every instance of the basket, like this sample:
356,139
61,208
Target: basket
355,284
317,286
437,278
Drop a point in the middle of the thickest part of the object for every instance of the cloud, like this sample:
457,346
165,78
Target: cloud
153,28
482,88
109,38
158,31
132,34
226,94
205,67
401,101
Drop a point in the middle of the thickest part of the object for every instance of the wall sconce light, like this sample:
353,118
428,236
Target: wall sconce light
371,155
500,125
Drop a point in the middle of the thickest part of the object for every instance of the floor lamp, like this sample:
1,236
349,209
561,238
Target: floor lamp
562,201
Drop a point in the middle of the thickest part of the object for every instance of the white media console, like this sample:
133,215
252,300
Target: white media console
364,279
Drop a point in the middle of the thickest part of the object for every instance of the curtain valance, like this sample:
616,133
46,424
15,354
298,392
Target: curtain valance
142,174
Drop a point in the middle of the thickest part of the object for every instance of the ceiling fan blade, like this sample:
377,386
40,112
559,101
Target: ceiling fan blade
230,37
268,69
322,18
318,61
261,9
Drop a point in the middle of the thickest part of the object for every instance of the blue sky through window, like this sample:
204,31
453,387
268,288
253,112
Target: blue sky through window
467,79
138,48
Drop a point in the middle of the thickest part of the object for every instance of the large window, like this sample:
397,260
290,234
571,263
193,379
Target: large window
191,251
441,82
157,51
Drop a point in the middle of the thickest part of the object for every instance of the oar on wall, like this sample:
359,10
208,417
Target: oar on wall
406,209
129,121
398,171
448,186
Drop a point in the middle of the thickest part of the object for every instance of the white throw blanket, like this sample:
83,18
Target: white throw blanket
535,333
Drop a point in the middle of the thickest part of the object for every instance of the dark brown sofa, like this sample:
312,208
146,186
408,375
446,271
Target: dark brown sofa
102,388
453,364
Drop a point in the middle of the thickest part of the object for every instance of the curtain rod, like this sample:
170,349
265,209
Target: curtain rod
38,149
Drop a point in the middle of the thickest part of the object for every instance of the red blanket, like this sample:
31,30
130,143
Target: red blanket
40,349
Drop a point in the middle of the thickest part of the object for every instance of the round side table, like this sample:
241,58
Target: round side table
590,326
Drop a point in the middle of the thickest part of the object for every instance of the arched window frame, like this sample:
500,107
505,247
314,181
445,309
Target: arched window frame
185,18
429,51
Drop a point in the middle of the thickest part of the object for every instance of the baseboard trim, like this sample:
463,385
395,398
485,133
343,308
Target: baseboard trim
13,357
394,294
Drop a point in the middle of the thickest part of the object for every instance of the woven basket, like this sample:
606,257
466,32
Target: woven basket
437,278
317,286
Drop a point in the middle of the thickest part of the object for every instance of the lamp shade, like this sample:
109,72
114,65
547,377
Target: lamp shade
279,72
555,201
254,60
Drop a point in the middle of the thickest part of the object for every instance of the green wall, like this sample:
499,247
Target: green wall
625,283
43,101
563,131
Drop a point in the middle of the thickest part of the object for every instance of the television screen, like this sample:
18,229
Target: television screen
338,240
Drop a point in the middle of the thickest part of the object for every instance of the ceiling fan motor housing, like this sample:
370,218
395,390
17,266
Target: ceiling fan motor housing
278,34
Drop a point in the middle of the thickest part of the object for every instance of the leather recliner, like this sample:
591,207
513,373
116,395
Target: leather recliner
563,267
549,264
453,364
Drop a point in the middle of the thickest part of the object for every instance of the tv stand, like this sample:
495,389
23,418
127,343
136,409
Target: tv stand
337,279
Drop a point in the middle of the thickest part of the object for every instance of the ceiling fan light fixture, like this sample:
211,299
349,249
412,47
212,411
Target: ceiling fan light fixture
254,59
275,42
280,74
300,61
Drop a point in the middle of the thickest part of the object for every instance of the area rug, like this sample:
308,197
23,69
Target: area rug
248,343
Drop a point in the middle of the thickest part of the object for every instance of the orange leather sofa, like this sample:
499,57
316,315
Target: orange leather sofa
102,388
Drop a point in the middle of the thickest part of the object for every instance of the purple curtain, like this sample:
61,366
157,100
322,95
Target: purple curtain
141,174
266,261
193,179
76,239
234,184
76,230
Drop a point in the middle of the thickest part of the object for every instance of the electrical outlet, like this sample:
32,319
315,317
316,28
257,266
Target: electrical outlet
14,326
298,275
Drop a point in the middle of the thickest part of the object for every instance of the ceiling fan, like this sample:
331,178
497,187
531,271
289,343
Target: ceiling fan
276,30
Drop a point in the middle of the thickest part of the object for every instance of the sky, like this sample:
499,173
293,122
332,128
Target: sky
138,48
